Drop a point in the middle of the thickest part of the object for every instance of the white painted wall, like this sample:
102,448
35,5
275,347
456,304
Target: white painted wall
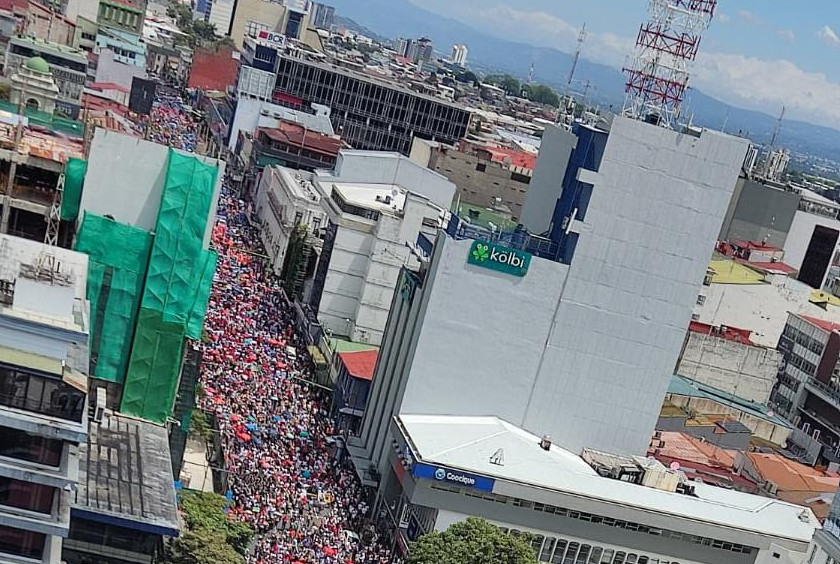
377,167
743,370
799,237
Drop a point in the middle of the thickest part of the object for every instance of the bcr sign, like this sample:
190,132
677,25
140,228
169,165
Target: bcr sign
276,39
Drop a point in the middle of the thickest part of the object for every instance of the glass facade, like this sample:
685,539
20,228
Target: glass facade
22,543
30,448
26,495
46,395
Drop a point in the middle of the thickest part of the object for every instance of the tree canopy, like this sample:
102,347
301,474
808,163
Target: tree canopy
474,541
541,94
202,547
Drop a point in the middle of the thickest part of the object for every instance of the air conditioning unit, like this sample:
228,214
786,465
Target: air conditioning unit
101,400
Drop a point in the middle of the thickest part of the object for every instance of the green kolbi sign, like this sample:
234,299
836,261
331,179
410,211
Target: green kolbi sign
499,258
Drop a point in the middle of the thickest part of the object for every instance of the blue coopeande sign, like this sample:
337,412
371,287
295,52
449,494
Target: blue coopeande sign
455,477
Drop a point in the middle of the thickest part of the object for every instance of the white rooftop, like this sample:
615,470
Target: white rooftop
50,283
372,196
468,443
761,308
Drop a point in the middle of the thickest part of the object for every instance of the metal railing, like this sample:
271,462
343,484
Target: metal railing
518,239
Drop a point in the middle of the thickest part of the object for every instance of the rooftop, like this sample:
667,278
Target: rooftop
360,364
380,197
771,267
729,271
790,475
827,326
125,476
469,444
521,159
41,44
213,70
724,332
682,386
49,284
298,135
754,245
343,345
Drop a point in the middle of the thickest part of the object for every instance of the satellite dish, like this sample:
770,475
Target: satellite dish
675,465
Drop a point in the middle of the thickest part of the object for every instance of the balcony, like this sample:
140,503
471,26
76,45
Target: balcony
40,394
824,391
518,238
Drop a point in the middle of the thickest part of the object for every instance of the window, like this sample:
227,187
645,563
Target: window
481,167
695,317
22,543
31,448
701,299
516,177
40,394
26,495
548,547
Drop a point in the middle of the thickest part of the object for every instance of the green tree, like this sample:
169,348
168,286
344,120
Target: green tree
542,94
474,541
205,511
468,76
202,547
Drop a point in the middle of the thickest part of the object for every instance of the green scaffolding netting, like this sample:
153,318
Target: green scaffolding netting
153,371
74,179
118,256
177,288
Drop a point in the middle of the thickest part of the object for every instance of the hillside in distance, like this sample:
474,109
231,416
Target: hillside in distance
400,18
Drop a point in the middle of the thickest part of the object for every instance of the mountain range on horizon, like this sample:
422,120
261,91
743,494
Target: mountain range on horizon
487,53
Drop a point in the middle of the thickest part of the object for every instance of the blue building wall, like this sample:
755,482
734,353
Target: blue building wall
576,194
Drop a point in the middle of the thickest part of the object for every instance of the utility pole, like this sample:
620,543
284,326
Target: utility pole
7,195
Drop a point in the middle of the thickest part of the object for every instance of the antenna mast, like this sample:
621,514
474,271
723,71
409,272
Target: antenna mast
667,44
581,38
778,129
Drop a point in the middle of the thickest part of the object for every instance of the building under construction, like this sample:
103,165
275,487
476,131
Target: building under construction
368,112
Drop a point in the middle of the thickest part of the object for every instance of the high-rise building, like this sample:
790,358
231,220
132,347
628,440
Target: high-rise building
43,395
776,164
387,118
322,15
825,547
422,50
459,55
403,46
575,336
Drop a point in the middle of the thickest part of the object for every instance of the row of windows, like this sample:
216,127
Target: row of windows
118,15
354,210
808,368
598,519
562,551
31,448
801,338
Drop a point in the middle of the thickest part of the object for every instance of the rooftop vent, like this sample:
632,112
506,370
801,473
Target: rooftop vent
545,442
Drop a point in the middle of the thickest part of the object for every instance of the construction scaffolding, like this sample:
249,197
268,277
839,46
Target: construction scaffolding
118,256
176,291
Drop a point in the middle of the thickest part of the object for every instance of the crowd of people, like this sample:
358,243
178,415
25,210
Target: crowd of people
169,123
285,480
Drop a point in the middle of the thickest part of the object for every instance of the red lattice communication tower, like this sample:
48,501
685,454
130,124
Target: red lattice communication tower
667,44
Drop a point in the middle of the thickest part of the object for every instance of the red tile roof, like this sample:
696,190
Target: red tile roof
729,333
109,86
213,70
754,245
520,159
294,134
821,323
360,364
772,267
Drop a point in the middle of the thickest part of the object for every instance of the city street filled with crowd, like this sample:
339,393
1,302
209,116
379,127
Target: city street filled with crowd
285,481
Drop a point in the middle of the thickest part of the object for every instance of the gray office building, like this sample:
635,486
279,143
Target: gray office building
369,113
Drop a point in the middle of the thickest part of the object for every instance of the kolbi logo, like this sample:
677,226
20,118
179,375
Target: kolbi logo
440,474
499,258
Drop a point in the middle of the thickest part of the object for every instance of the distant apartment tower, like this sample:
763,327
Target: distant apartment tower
43,395
322,16
575,335
459,55
386,118
402,46
776,164
422,50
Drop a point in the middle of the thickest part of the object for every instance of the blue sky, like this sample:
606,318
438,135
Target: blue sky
757,54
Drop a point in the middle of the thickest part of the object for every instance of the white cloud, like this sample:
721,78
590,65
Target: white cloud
750,18
787,35
723,18
768,85
829,36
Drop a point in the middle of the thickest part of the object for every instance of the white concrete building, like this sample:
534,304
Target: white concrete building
376,204
761,307
44,329
455,467
285,200
739,368
576,336
459,55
